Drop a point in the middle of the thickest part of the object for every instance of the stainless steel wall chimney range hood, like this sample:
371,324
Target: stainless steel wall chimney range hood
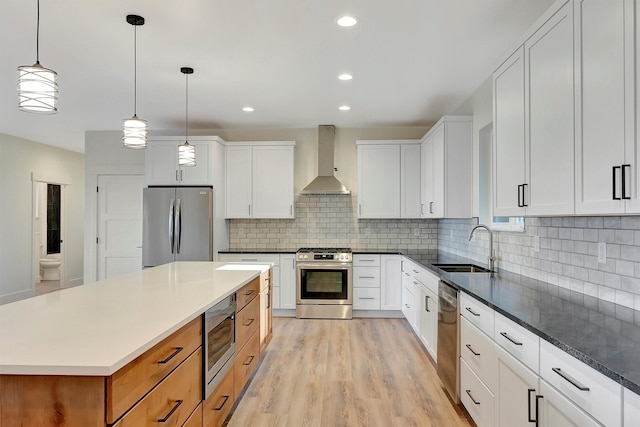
325,182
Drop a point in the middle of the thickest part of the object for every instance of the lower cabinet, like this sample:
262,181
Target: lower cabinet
195,420
631,410
516,391
558,411
246,361
217,407
266,310
476,397
427,318
408,300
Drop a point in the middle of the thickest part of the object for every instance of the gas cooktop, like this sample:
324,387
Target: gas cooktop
324,250
324,254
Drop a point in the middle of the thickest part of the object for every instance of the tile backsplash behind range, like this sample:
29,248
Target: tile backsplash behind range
568,255
332,221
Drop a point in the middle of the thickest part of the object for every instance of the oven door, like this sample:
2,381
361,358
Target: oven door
324,283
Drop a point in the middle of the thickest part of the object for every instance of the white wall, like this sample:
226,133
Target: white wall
20,159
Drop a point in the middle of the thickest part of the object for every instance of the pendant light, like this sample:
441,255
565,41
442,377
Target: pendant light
134,130
37,86
186,151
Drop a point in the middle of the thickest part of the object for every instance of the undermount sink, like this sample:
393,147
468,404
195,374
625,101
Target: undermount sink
461,268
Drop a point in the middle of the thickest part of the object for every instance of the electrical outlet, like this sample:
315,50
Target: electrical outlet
536,243
367,231
416,232
602,252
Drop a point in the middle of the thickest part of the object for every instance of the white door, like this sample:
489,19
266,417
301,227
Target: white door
427,318
508,141
272,182
410,181
390,282
238,181
379,181
515,401
426,153
549,139
437,164
161,163
558,411
600,106
119,224
288,281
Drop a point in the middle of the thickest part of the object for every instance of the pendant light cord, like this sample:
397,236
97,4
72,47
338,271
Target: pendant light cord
135,70
38,36
186,119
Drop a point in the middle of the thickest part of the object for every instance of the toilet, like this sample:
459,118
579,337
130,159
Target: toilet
50,267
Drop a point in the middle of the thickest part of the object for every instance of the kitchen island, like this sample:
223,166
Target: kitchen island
61,349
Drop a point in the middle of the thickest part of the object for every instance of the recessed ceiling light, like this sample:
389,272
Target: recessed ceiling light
345,76
345,108
347,21
247,109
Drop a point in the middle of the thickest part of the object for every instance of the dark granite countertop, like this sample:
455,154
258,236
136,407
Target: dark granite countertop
603,335
259,251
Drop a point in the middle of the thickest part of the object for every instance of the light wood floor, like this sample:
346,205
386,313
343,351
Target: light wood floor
330,373
47,286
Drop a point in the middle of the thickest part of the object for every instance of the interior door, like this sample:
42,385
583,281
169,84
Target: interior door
194,216
119,224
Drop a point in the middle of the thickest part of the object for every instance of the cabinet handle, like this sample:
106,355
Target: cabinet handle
471,350
366,298
416,271
519,202
249,293
268,299
421,208
471,397
366,277
524,196
224,402
290,209
181,174
407,305
166,418
513,340
366,260
570,379
249,259
249,360
249,210
624,182
472,312
614,182
538,397
430,207
426,303
416,283
359,209
250,322
176,174
171,356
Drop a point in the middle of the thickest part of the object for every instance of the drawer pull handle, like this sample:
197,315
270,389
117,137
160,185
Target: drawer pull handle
171,356
367,260
407,305
249,259
513,340
471,350
166,418
249,360
471,397
416,271
472,312
249,293
568,378
366,298
224,402
366,277
426,303
250,322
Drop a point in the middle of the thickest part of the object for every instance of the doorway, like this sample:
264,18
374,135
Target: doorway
49,229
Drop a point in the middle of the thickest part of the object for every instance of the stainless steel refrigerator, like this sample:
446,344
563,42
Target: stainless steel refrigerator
177,225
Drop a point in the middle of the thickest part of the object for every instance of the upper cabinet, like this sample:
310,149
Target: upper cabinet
388,179
259,179
534,123
446,186
161,161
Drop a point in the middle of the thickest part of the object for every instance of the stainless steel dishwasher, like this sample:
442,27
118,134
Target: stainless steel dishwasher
448,346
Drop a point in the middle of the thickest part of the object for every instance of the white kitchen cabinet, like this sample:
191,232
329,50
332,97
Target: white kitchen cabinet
259,180
390,282
545,94
381,176
604,128
478,350
288,281
161,162
476,397
408,300
508,142
524,345
516,390
556,410
410,205
427,318
631,409
446,190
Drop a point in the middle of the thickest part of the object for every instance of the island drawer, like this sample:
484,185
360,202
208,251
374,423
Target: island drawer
247,293
265,279
246,362
173,400
219,404
195,420
247,322
130,383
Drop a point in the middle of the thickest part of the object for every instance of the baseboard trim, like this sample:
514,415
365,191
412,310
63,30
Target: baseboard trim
16,296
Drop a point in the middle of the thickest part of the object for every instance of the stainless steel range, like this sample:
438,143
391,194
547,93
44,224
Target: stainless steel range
324,283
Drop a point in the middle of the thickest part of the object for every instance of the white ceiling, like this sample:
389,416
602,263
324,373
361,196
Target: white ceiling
412,61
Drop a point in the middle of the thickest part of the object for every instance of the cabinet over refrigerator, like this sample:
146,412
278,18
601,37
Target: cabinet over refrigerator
177,225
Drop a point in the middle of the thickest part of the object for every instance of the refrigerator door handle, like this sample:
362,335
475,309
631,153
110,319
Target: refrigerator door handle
178,225
171,224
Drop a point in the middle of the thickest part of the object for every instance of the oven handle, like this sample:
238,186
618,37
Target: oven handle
219,318
324,266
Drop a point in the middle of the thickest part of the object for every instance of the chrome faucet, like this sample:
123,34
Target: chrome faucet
491,257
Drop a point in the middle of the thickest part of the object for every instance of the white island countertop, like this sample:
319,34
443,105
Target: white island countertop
97,328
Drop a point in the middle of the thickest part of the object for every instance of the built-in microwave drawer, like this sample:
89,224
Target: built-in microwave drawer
173,400
133,381
247,322
247,293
